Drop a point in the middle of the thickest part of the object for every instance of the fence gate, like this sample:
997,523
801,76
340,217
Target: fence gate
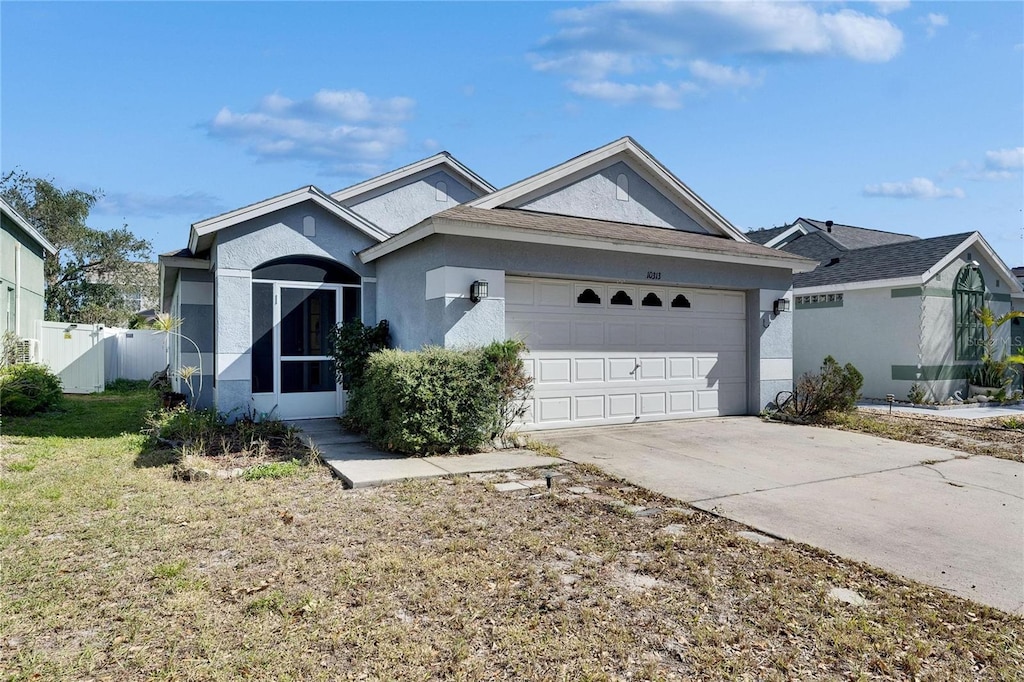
75,353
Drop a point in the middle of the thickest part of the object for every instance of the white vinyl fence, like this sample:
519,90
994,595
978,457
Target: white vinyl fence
86,357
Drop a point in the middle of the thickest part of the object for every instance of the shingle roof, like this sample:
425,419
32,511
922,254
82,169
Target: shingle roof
765,235
814,245
611,231
889,261
853,237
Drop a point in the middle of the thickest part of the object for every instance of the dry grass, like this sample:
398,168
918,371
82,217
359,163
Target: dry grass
995,436
113,570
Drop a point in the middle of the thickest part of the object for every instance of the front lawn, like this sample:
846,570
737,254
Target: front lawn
113,569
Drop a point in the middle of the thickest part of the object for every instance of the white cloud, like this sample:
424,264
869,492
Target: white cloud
917,188
891,6
659,95
933,22
1005,159
344,131
724,76
630,40
157,206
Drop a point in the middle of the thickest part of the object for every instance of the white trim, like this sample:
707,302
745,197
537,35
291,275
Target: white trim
913,281
513,234
233,272
369,280
308,193
625,147
462,172
771,243
25,225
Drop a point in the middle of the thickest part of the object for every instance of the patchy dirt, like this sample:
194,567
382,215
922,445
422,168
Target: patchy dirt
989,436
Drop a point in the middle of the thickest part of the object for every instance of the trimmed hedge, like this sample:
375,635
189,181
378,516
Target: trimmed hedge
28,388
436,400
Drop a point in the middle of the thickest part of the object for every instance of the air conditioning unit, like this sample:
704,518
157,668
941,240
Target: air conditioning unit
26,350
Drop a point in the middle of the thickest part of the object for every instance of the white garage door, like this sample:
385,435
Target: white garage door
613,354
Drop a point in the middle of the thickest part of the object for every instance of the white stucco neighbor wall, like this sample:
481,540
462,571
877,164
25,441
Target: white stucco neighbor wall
871,330
600,196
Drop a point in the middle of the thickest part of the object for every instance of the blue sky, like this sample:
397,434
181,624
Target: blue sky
901,116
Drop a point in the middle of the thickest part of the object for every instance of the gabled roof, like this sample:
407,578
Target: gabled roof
908,263
586,233
367,188
766,234
27,227
853,237
200,237
596,159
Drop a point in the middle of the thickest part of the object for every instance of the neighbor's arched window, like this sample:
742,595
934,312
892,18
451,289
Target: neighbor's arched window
968,296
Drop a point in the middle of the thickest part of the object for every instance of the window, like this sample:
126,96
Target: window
589,296
680,301
968,296
621,298
651,300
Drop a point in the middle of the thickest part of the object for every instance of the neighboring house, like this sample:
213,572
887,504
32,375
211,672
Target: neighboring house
138,284
22,283
638,301
899,308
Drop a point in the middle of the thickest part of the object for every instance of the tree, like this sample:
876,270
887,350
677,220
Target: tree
93,270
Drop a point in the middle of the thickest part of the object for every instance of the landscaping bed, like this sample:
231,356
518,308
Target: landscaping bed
1001,437
113,570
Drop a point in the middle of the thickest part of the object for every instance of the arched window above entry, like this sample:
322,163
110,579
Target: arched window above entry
589,296
968,297
680,301
306,269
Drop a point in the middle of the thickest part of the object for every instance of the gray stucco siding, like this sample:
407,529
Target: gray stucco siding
401,294
597,196
398,208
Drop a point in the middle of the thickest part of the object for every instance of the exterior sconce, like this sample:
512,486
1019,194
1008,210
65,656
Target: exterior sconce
780,305
478,290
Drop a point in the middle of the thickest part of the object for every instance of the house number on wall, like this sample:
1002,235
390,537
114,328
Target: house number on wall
653,275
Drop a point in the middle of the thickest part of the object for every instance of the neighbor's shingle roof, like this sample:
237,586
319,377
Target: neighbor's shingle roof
610,231
815,246
853,237
890,261
765,235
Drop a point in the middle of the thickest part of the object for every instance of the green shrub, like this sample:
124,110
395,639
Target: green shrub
504,365
425,402
352,343
834,388
28,388
916,395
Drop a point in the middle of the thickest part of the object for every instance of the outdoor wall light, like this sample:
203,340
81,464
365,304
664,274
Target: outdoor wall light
780,305
478,291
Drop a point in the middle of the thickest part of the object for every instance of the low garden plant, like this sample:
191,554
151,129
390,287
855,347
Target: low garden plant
28,388
835,388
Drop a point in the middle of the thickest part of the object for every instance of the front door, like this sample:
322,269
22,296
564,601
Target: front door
306,382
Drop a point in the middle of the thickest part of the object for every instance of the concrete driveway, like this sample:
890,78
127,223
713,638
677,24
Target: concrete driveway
912,509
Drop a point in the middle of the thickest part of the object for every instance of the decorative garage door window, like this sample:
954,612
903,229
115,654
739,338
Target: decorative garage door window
968,297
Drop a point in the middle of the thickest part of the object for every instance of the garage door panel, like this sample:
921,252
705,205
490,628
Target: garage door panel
602,363
553,370
652,404
590,407
622,369
589,369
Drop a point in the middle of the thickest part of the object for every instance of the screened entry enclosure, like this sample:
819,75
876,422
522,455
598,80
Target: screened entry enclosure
293,374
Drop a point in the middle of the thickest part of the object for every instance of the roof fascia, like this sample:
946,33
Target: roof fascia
514,234
710,218
25,225
776,242
309,193
976,239
441,159
896,283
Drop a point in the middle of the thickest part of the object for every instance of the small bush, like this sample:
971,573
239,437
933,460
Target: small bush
28,388
834,388
916,395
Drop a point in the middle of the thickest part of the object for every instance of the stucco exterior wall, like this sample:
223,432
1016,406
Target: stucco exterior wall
419,198
872,330
240,249
194,307
451,319
598,196
18,250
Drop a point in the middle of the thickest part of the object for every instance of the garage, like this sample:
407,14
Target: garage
614,353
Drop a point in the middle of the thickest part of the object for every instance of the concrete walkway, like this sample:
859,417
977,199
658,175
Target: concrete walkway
975,411
360,465
919,511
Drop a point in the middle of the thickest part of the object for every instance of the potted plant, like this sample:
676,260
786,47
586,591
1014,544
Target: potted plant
996,372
